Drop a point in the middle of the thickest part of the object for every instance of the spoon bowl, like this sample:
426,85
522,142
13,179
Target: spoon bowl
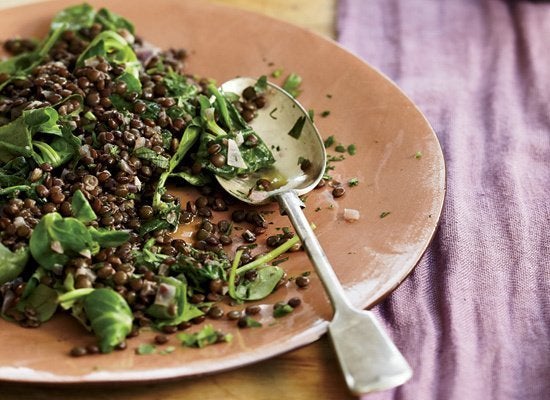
299,159
368,358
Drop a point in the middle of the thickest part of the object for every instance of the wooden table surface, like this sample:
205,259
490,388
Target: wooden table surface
309,373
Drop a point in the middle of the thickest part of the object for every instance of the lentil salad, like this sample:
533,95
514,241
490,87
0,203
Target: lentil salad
93,125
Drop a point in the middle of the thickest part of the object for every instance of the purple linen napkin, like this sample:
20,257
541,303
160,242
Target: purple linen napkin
474,317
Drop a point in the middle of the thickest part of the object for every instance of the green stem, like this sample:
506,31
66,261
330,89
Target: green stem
74,295
269,256
233,274
223,106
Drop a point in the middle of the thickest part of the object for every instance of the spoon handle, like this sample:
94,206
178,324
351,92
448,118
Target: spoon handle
368,358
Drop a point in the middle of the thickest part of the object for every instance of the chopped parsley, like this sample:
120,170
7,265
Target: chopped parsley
384,214
352,149
296,130
277,73
329,141
282,310
353,182
292,84
340,148
325,113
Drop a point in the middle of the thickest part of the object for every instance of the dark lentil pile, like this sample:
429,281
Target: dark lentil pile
118,184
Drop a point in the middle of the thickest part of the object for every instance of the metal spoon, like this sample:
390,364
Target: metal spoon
368,358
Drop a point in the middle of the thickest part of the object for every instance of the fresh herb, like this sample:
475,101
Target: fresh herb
340,148
353,182
205,337
418,155
352,149
329,141
110,317
146,349
384,214
281,310
325,113
277,73
12,263
261,84
292,84
249,322
296,130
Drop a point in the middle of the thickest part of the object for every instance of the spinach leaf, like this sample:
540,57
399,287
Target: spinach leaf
81,208
206,336
199,273
110,317
262,286
16,137
296,130
195,180
14,173
74,18
292,84
113,21
56,239
12,263
171,306
43,300
109,238
167,214
113,47
156,159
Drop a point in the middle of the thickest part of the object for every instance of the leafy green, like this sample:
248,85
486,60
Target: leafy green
113,21
262,286
43,300
156,159
110,317
199,273
12,263
56,239
171,306
74,18
105,237
167,214
292,84
296,130
17,138
81,208
206,336
261,84
113,47
146,349
282,310
193,179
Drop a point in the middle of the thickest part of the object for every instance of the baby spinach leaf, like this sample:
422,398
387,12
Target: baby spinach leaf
108,237
56,239
171,306
156,159
74,18
12,263
206,336
262,286
110,317
43,300
195,180
282,310
292,84
113,21
16,137
113,47
82,210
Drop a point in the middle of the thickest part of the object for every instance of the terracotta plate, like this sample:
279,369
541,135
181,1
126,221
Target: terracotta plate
371,257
